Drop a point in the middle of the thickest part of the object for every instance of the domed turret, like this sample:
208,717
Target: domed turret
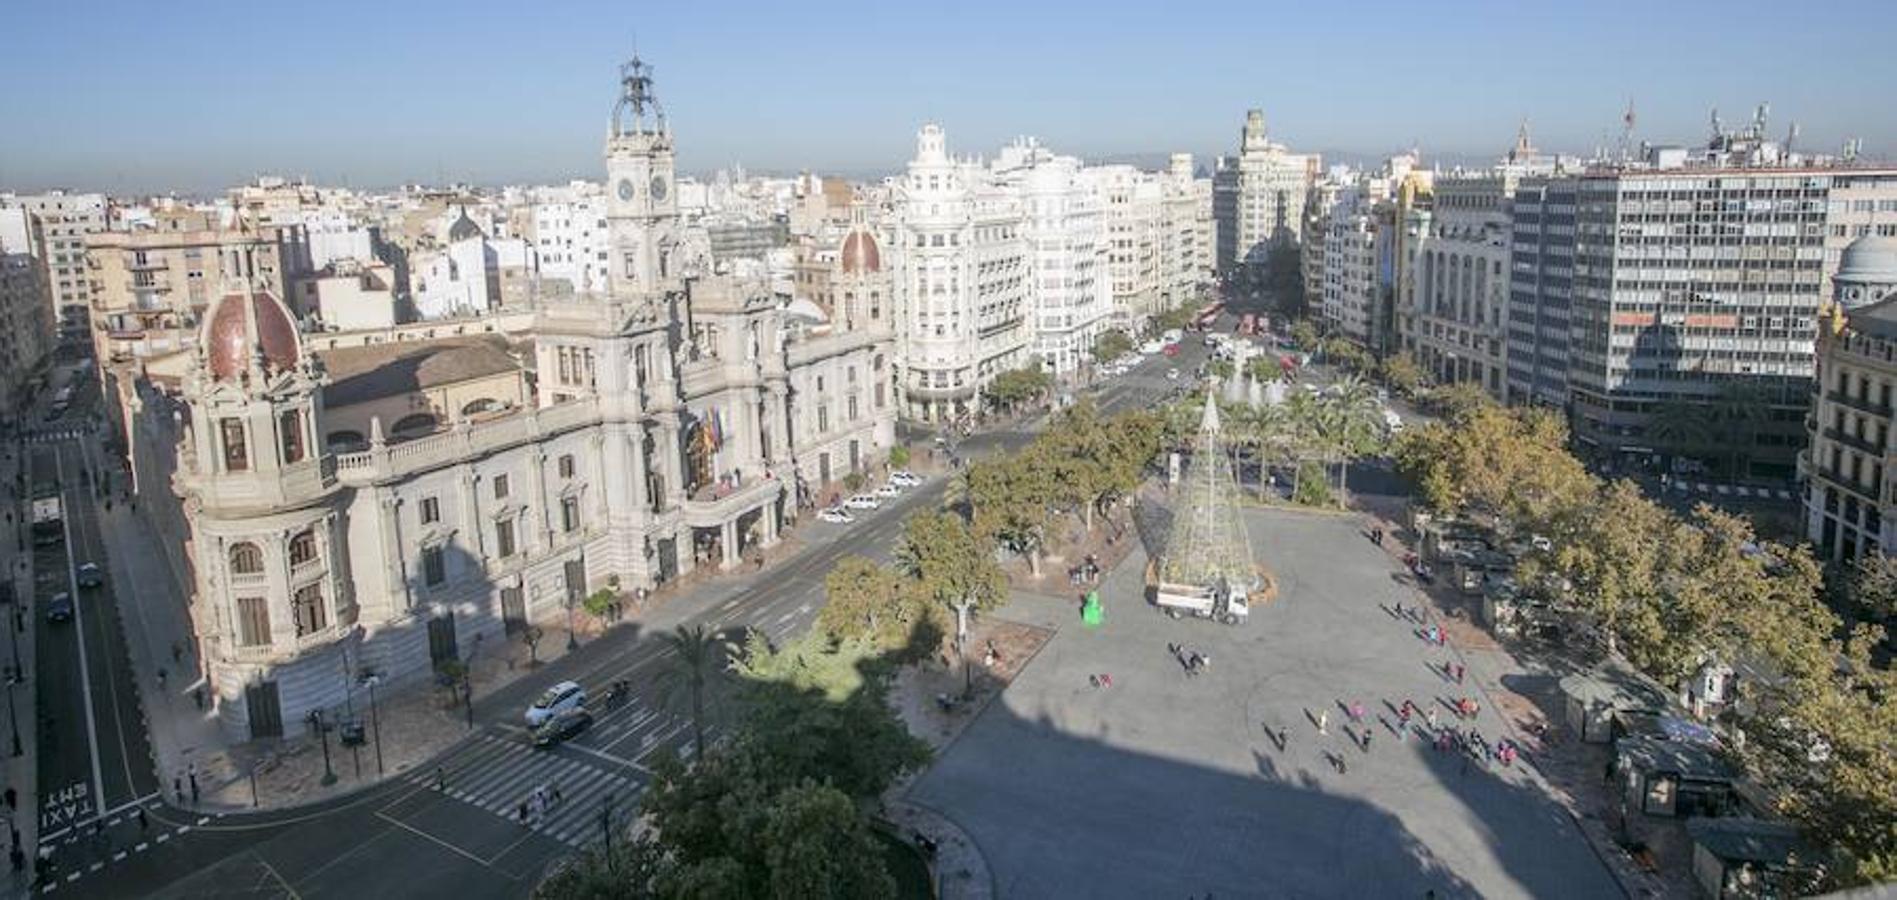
1867,272
242,324
464,228
860,254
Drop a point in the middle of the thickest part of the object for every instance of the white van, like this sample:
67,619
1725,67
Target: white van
558,699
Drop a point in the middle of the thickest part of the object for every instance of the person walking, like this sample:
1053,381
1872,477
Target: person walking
144,824
441,779
558,798
1459,671
520,812
1323,721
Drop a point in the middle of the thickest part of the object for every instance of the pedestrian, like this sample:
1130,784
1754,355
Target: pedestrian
197,696
441,779
194,789
521,813
558,798
1430,717
144,824
177,652
1323,721
1284,737
1366,740
1459,671
161,679
177,789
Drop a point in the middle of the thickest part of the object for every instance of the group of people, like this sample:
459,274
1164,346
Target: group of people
1088,572
543,798
1192,661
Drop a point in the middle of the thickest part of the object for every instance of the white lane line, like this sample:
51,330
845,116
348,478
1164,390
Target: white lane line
73,877
164,837
141,847
79,633
119,856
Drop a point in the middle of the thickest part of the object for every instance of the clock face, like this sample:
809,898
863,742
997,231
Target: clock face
625,189
658,187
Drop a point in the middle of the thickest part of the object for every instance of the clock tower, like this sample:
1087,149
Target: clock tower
641,210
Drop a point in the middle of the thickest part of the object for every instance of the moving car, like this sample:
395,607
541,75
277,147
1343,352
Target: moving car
905,478
836,515
892,489
863,501
59,609
561,726
90,576
566,695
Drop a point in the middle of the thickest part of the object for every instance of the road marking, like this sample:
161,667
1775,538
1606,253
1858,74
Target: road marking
728,604
119,856
73,877
273,874
425,835
608,757
79,633
141,847
164,837
203,819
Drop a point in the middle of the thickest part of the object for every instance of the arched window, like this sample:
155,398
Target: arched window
246,559
476,407
290,430
303,548
347,441
413,426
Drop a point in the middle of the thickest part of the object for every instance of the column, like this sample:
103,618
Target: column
395,580
542,522
729,538
769,515
475,536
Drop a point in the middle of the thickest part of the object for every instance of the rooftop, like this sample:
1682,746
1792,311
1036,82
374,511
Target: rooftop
362,374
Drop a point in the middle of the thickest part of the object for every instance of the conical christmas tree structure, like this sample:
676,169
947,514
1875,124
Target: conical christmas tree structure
1208,542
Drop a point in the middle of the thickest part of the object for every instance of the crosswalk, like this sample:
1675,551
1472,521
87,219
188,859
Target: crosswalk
55,435
496,774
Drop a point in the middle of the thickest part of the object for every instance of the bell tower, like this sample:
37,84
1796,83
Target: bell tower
641,209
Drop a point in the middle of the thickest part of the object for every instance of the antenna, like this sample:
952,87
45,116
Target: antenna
1627,129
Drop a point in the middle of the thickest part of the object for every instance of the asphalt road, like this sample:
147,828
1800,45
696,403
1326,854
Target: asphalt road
466,839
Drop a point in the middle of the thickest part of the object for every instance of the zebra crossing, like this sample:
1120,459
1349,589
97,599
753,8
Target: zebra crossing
497,774
55,435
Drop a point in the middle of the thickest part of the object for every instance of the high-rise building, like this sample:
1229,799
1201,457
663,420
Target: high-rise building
26,329
1541,287
1850,431
1258,196
962,280
58,223
1073,249
1455,303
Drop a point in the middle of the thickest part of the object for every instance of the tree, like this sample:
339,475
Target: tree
1018,386
899,456
1511,462
1011,498
695,658
955,567
1402,375
1866,589
627,871
1111,345
1349,424
1613,559
531,636
816,844
865,600
1304,334
853,482
1176,318
1220,368
1457,401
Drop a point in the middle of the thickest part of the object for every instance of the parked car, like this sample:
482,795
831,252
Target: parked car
90,576
566,695
891,489
561,726
836,515
1172,374
905,478
59,609
863,501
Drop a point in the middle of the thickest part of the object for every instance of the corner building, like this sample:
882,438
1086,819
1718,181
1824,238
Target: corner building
675,419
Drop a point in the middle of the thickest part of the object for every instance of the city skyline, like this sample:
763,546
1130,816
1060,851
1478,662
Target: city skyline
492,99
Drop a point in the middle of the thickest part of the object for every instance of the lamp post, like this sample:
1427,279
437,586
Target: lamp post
606,829
375,720
316,721
572,639
13,719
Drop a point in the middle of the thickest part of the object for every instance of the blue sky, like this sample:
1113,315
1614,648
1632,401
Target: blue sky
192,95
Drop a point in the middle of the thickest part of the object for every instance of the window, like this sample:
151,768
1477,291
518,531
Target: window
246,559
253,621
290,429
566,466
500,487
431,510
504,538
303,549
434,566
306,607
236,454
570,514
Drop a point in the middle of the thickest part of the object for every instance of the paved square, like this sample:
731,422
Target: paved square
1160,786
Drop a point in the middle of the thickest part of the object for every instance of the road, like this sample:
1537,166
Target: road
92,755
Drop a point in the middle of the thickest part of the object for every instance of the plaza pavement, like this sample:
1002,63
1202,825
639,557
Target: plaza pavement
1160,786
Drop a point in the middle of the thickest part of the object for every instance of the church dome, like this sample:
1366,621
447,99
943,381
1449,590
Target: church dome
464,228
229,328
1870,258
860,254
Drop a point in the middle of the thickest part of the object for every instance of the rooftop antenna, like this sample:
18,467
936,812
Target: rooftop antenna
1627,129
1791,137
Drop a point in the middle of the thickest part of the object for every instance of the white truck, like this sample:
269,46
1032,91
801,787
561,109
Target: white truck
47,515
1219,602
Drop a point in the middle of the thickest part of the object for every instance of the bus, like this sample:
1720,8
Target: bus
48,512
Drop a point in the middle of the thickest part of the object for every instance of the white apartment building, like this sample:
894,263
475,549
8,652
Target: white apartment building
1065,227
962,280
1351,279
26,331
472,276
1134,203
570,236
1259,196
57,224
1185,236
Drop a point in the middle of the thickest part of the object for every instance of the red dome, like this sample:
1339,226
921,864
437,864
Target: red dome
860,255
227,340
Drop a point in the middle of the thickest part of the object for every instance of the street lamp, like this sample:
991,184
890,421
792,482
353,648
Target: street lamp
606,829
316,721
572,639
375,720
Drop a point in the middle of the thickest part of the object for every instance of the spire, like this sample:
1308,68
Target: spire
1209,423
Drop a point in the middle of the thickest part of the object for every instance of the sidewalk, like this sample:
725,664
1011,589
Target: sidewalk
20,773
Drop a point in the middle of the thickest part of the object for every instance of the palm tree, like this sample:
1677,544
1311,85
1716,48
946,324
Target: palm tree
695,658
1682,425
